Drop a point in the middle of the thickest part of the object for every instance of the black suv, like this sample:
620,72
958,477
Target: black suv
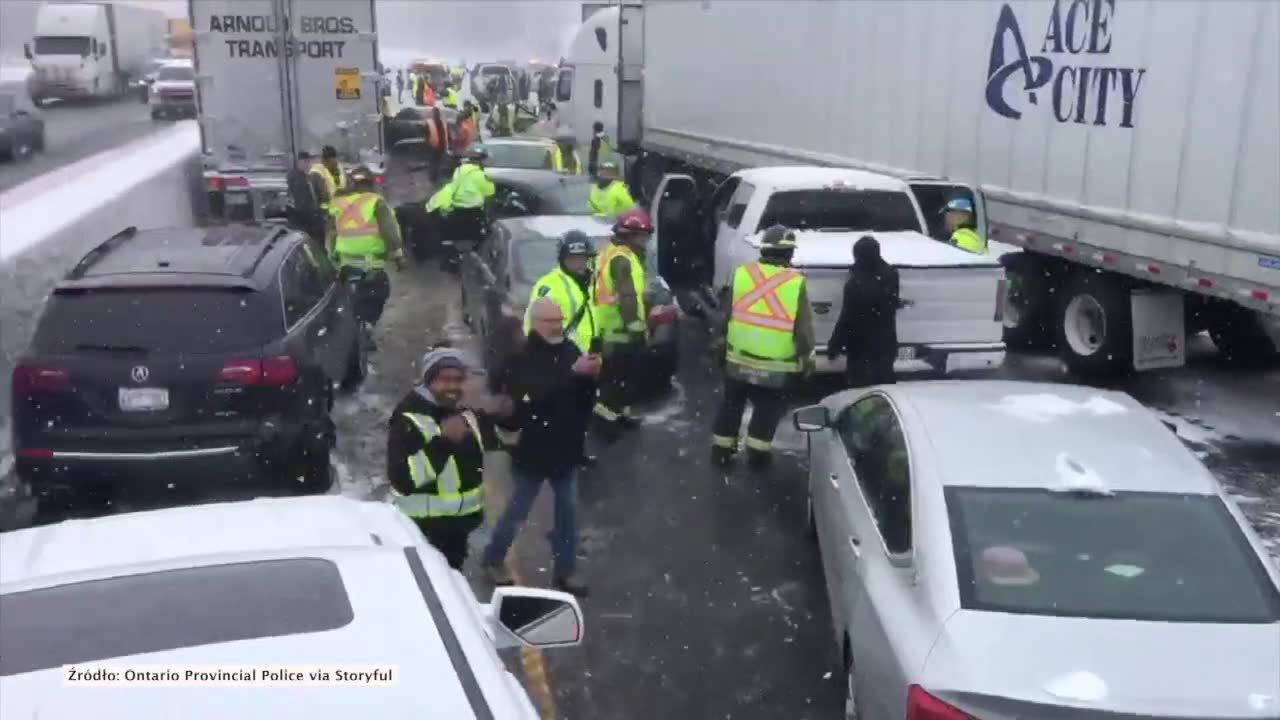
183,357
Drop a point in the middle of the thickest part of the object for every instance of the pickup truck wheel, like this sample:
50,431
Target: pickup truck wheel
1096,326
1028,306
313,473
1241,339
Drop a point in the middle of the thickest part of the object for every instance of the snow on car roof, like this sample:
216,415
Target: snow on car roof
996,433
226,530
557,225
801,177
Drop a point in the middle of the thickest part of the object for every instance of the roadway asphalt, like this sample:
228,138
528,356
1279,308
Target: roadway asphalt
706,597
78,130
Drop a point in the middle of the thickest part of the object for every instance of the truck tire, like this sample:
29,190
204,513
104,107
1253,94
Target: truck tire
1095,326
1242,339
1028,314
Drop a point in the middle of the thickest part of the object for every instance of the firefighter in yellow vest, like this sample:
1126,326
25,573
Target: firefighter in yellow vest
365,235
621,321
326,176
451,98
960,220
569,286
563,156
768,343
609,196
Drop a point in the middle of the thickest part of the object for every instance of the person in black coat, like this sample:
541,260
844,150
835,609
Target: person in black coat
867,330
552,384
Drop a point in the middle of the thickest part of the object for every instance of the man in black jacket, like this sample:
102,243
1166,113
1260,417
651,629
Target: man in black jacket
867,330
551,382
435,454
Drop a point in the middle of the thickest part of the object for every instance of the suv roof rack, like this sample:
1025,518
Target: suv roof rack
278,233
96,254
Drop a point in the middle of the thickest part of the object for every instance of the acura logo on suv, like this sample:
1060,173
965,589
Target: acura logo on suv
139,373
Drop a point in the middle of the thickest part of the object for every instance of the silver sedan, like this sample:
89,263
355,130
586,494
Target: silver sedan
1001,550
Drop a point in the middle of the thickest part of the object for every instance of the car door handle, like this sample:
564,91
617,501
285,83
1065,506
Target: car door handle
855,546
834,480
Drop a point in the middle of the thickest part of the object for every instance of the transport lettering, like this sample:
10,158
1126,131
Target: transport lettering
307,25
1071,66
269,47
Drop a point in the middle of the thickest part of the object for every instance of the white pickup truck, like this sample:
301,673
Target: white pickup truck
953,299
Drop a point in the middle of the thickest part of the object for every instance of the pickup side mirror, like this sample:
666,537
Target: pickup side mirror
26,50
812,418
530,617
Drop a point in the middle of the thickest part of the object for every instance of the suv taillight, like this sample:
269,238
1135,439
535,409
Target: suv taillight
272,371
923,706
29,379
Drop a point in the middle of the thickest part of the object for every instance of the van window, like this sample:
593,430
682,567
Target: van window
564,87
599,93
852,210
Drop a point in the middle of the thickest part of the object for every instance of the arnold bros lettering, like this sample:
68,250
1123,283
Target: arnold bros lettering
1082,90
269,47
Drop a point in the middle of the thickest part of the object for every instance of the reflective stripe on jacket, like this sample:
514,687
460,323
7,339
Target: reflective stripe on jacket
609,324
568,294
969,239
359,242
471,187
557,161
610,201
766,302
446,496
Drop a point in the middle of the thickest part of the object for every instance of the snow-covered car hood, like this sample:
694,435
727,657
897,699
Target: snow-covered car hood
834,248
173,85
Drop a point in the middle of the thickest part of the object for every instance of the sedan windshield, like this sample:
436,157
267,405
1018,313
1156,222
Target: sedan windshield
853,210
1133,556
567,197
522,156
176,74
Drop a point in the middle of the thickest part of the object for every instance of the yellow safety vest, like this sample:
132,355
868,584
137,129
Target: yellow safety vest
470,186
331,184
565,292
766,299
451,98
448,498
608,314
968,239
557,162
359,241
610,201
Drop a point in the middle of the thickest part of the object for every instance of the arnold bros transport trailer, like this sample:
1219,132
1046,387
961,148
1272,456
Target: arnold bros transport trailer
1124,154
275,78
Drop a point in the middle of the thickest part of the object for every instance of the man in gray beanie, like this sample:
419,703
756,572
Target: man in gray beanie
435,453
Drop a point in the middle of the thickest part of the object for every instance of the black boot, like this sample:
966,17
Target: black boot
721,457
758,460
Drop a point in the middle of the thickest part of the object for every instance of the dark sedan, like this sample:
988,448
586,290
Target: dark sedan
21,127
498,277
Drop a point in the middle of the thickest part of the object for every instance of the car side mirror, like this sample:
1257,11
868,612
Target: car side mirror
26,50
535,618
812,418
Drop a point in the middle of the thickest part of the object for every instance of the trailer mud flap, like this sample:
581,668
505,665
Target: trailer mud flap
1159,335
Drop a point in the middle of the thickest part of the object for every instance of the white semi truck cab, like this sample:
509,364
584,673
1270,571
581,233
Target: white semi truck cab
91,50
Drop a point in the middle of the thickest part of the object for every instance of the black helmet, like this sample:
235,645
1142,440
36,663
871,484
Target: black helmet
779,238
575,242
478,153
360,175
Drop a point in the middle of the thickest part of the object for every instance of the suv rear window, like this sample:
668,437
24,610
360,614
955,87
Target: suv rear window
198,320
1133,556
853,210
154,612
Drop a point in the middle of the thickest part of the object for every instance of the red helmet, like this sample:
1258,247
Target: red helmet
633,222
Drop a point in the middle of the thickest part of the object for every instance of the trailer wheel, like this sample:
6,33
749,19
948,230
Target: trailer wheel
1241,338
1096,326
1028,312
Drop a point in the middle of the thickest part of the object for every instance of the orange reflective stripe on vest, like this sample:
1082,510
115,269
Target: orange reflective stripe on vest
603,296
765,289
351,215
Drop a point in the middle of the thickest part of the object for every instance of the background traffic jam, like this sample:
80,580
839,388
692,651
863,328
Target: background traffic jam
1066,505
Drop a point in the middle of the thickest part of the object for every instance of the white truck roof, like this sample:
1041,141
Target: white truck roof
801,177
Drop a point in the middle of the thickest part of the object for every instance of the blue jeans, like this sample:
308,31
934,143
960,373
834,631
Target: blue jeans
564,533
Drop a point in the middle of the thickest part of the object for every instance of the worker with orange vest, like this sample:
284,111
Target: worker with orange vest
618,296
768,342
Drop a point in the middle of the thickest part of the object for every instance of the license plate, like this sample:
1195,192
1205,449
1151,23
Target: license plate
237,198
906,352
144,399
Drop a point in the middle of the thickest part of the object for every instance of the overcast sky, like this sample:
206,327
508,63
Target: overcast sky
472,30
